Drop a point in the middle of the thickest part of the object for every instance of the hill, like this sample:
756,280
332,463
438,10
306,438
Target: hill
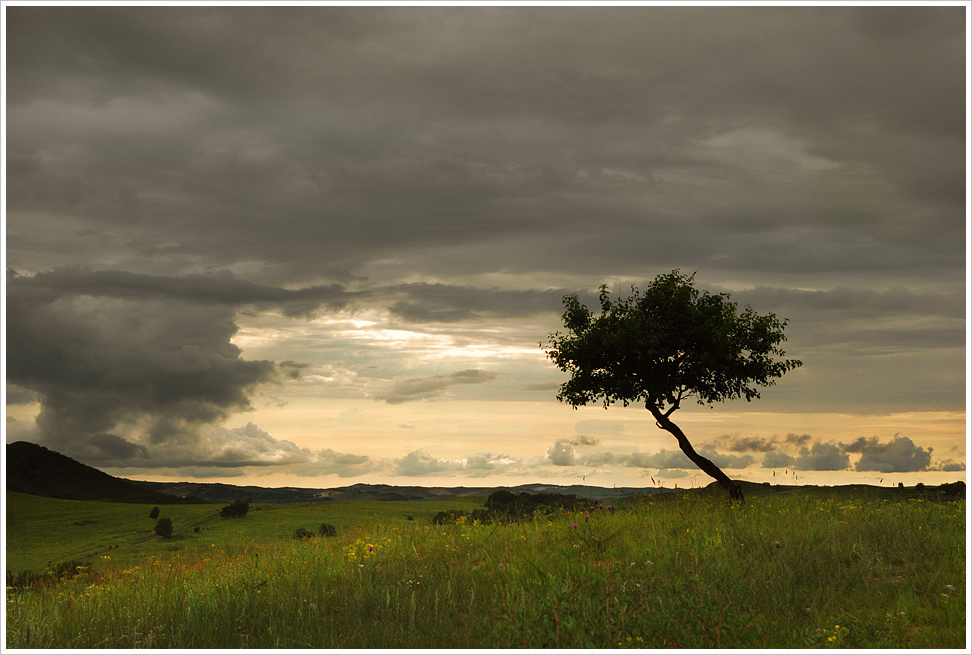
34,469
213,492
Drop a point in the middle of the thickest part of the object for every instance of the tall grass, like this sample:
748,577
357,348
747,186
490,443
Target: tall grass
782,571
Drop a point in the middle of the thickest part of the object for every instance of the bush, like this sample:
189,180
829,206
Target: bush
154,514
237,509
164,528
303,533
327,530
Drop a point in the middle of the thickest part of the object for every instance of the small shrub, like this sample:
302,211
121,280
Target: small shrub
154,514
163,527
327,530
303,533
450,516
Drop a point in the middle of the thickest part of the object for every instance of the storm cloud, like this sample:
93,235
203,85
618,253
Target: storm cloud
207,205
161,366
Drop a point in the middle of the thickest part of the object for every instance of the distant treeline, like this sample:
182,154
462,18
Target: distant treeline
506,506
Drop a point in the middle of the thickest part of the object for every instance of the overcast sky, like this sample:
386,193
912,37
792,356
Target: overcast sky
318,245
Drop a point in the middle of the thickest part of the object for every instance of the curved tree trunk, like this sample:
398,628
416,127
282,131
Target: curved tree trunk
735,491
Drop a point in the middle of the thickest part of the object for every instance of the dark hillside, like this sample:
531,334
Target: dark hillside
33,469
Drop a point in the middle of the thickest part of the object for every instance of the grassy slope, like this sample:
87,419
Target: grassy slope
786,570
42,530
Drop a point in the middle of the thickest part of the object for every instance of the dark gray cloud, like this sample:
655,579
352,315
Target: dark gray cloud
433,386
17,395
217,289
112,447
171,168
895,456
822,457
449,303
948,465
97,362
516,130
738,443
777,460
420,463
563,453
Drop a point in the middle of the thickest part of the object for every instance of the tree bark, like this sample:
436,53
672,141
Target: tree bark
735,491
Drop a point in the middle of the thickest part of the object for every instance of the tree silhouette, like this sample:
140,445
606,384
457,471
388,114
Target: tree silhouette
236,509
665,345
163,527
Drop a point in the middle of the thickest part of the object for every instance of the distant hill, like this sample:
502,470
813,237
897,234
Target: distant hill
212,492
34,469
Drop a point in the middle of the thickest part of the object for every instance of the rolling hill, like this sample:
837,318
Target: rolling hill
37,470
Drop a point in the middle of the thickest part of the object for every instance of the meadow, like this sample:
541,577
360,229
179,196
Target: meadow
783,570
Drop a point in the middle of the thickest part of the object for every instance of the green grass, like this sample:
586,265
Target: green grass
694,572
42,530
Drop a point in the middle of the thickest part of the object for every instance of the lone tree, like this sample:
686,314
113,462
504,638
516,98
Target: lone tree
665,345
164,528
237,509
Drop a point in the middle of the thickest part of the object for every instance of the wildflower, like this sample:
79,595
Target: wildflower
575,525
777,543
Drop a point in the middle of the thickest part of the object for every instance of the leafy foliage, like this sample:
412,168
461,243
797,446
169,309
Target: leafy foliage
666,344
236,509
505,506
327,530
163,527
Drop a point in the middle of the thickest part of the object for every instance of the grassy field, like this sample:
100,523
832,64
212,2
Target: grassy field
42,530
788,570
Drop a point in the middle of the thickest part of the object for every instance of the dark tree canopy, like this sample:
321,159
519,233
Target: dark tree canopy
664,345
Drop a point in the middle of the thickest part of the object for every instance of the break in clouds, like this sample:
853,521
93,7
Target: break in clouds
109,353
